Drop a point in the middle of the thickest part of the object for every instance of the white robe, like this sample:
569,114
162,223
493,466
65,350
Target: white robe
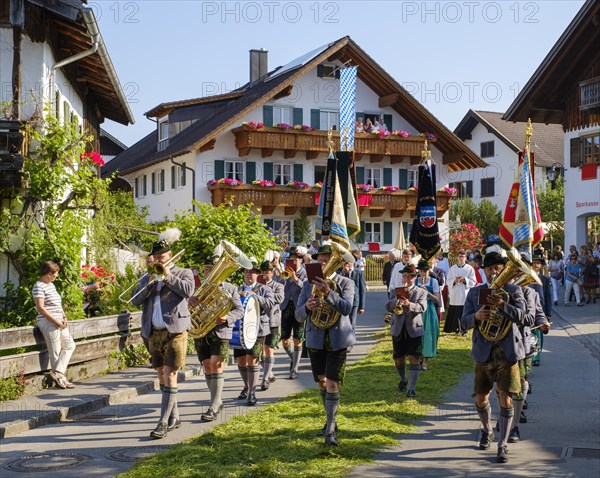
457,293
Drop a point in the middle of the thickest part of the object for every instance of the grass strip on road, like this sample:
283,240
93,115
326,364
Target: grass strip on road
280,440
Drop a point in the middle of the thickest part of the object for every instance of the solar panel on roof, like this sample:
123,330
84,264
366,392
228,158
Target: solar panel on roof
298,62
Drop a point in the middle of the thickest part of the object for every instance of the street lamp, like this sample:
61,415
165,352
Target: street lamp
553,173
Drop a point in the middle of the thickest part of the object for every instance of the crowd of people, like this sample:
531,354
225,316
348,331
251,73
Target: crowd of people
289,307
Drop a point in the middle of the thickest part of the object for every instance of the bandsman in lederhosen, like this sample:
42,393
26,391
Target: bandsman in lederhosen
274,334
247,359
290,328
213,348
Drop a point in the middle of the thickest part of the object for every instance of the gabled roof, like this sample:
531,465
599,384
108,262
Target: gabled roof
542,98
166,108
76,27
546,142
253,95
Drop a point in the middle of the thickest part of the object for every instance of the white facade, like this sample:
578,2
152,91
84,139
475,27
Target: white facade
309,92
39,87
502,169
582,197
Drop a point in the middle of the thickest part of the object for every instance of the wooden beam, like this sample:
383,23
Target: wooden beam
289,153
376,158
267,152
243,152
290,211
376,212
267,209
414,160
357,156
397,212
388,100
395,159
312,155
208,146
450,158
285,92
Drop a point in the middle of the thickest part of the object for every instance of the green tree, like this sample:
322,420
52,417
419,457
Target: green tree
302,233
203,231
489,218
551,202
466,209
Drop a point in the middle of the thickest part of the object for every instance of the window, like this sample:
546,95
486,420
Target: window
372,232
464,189
487,149
144,185
178,176
411,178
319,173
329,119
234,170
163,130
487,187
139,186
136,188
373,177
328,71
282,114
591,149
67,113
279,223
282,173
158,181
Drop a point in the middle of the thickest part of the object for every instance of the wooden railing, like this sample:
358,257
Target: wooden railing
95,338
312,143
589,94
268,198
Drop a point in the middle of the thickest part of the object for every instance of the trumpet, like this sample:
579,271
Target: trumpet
285,274
155,268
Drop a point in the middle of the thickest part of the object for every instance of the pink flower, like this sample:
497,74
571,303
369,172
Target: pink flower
298,185
364,187
401,133
284,126
94,156
389,189
253,124
382,134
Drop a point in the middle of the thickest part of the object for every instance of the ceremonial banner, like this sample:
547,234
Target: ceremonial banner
424,235
347,107
353,216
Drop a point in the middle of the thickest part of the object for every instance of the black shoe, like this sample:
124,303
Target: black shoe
272,378
535,363
243,394
331,440
555,302
486,439
265,385
410,394
251,399
210,414
522,418
160,431
322,430
502,456
514,435
525,405
293,375
530,388
402,386
173,424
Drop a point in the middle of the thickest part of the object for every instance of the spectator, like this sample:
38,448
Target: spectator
368,125
360,127
382,125
590,277
388,267
572,273
556,267
52,322
360,261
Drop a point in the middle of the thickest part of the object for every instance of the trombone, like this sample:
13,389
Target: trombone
154,268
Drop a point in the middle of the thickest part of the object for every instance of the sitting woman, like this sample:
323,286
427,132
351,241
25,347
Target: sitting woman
52,322
360,127
368,126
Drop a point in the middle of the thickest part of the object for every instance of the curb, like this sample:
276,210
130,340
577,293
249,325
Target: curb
81,409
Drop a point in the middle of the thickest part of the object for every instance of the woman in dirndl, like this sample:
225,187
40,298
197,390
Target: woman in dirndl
431,324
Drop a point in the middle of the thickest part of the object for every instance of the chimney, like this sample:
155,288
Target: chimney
258,64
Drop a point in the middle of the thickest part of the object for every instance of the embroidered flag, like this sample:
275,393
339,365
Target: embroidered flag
424,235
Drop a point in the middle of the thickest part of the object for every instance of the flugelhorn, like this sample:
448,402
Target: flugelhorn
154,268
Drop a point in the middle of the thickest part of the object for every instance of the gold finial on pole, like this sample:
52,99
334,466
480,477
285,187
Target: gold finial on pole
345,139
330,144
425,154
528,133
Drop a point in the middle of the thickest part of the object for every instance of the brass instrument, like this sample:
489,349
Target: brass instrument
496,328
214,302
529,278
285,274
155,268
324,317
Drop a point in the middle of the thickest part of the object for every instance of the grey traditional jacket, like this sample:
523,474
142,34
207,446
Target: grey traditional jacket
225,331
177,288
292,289
516,311
275,312
341,334
266,301
412,316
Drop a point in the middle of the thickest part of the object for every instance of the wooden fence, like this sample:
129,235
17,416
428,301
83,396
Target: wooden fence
95,338
374,269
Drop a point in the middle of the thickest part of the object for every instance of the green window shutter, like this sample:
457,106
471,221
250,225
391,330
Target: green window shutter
219,169
360,175
387,119
250,171
183,171
470,189
361,234
575,153
315,118
337,73
268,115
268,171
298,116
405,230
136,188
172,177
387,176
360,115
298,171
320,71
153,187
403,179
387,232
296,238
269,223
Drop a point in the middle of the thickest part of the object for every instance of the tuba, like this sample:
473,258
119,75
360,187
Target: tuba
496,328
214,302
324,317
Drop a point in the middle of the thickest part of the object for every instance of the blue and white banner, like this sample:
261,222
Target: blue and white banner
347,107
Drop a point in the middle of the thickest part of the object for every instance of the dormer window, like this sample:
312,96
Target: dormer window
328,71
163,135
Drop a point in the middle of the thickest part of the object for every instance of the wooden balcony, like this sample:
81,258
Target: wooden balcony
313,143
268,198
589,94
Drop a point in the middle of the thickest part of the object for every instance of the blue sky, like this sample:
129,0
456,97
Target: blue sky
451,55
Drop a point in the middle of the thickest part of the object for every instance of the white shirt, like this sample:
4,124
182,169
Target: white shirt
457,293
443,264
396,276
52,300
157,318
